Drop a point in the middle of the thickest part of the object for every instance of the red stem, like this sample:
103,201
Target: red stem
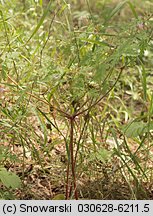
67,181
72,156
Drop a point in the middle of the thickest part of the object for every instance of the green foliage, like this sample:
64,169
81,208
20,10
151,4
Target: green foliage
81,64
59,197
102,155
5,155
116,10
41,21
9,179
134,128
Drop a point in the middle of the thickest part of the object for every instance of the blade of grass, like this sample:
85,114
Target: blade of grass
41,2
115,11
144,82
133,9
43,127
143,76
41,21
48,119
119,154
134,159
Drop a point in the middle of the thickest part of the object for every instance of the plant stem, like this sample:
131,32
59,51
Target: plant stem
72,156
67,181
103,96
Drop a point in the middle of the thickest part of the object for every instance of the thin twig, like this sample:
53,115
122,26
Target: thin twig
97,101
49,34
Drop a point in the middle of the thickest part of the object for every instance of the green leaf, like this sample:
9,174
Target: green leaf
133,9
134,129
116,10
41,2
100,72
144,82
97,42
63,8
4,71
151,105
101,155
43,126
9,179
59,197
41,21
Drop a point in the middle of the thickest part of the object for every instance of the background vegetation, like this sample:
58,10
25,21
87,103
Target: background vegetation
76,99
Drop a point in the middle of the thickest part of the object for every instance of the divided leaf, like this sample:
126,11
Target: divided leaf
134,129
101,155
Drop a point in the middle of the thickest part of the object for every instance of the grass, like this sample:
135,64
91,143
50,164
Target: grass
76,99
